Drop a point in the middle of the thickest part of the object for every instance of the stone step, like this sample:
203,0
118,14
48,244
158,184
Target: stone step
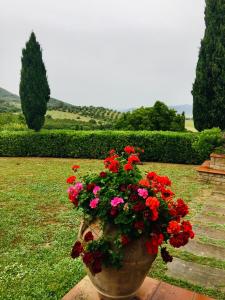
209,232
197,274
216,220
215,209
220,191
206,250
214,199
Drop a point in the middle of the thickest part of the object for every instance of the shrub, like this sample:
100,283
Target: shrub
208,140
159,146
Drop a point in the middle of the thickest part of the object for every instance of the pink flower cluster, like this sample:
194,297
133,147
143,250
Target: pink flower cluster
116,201
143,193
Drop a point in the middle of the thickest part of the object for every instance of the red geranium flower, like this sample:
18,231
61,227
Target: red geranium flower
153,245
129,149
181,208
90,186
133,197
153,204
75,167
165,255
77,249
166,194
151,175
71,179
139,207
112,152
173,227
114,212
124,240
103,174
139,225
180,239
128,167
97,266
144,182
133,159
88,236
87,258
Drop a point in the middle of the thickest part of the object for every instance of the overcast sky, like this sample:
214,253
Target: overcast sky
112,53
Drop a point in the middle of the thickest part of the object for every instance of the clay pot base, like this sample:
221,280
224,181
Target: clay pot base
151,289
85,290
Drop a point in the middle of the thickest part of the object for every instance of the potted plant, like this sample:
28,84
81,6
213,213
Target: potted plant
126,219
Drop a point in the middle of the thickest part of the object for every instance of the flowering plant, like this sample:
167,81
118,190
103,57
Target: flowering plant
135,206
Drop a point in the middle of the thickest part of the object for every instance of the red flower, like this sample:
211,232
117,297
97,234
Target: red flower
133,197
71,179
187,227
75,167
112,152
132,187
90,187
114,166
144,182
166,194
139,225
180,239
153,204
129,149
181,208
77,249
114,212
88,236
97,255
103,174
97,266
139,207
164,180
151,175
165,255
87,258
153,244
173,227
128,167
124,240
133,159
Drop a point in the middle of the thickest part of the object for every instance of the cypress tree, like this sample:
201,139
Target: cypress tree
34,88
209,86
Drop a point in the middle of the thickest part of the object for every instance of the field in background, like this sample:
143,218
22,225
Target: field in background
39,226
189,125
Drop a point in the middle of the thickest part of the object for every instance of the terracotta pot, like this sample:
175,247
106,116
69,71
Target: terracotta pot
123,283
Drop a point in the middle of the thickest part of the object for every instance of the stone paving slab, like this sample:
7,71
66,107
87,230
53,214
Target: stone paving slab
216,220
206,250
209,232
220,210
197,274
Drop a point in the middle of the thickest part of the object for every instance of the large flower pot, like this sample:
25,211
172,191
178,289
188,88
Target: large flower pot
123,283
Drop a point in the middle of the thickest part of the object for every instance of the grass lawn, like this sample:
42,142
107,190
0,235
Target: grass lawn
38,225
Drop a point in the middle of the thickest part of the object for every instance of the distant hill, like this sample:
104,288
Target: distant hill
10,102
187,108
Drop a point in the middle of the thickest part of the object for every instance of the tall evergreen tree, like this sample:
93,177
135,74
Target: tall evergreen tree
209,86
34,88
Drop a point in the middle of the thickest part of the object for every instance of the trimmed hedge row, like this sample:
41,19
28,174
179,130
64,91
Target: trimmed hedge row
159,146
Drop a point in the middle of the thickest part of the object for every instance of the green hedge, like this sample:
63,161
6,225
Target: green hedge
159,146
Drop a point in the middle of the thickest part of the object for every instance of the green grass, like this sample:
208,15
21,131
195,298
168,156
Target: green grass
38,226
56,114
189,125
